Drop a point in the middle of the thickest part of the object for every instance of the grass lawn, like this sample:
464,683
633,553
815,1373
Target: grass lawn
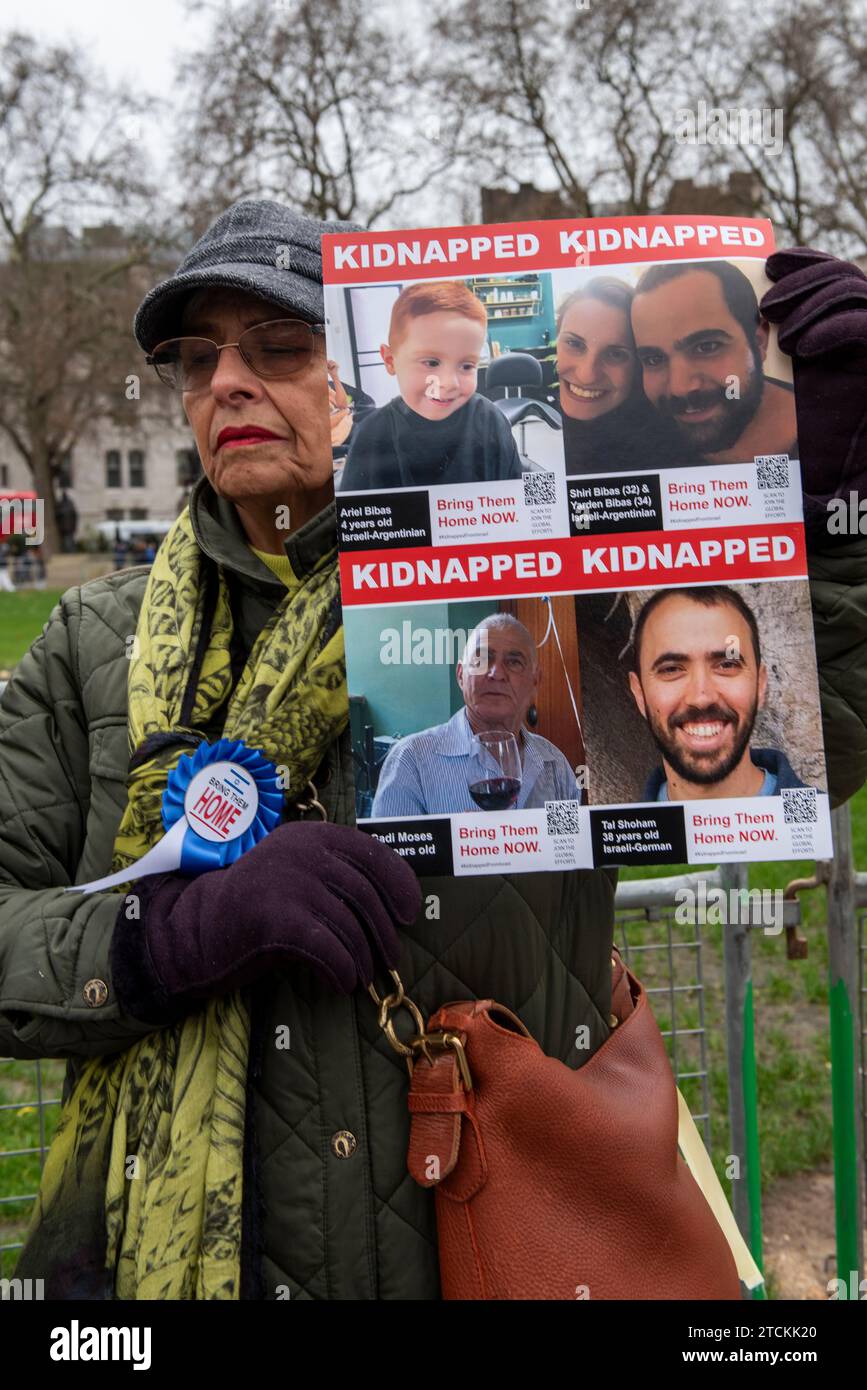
23,1126
21,620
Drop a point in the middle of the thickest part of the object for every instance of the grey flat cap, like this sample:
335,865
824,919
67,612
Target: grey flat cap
257,246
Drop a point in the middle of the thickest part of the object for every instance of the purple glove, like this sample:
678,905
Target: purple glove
820,306
319,894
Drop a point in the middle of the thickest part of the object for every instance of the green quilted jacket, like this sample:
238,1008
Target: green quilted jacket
316,1224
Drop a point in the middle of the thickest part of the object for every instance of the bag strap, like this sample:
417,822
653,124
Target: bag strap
698,1162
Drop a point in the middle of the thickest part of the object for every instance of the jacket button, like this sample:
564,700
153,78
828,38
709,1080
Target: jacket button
95,993
343,1143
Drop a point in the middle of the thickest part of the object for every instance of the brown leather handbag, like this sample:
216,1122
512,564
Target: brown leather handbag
554,1183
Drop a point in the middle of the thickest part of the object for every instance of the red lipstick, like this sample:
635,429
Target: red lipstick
237,435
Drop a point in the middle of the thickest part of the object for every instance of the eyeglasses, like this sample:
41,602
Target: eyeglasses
279,348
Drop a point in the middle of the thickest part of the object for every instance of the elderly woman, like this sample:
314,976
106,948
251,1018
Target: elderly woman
234,1123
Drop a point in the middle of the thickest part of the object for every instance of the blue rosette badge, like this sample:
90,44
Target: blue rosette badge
229,796
219,802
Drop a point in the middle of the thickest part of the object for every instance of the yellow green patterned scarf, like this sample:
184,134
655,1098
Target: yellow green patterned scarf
161,1126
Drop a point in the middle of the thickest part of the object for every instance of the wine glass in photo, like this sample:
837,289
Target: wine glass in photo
494,774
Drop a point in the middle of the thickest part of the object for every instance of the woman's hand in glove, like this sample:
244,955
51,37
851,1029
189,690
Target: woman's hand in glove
820,306
327,896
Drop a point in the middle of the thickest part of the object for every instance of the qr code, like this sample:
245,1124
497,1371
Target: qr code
539,488
564,817
799,805
772,470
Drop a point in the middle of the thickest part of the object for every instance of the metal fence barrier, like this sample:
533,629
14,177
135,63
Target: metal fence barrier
44,1099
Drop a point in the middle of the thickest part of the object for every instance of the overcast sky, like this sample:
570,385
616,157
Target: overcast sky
134,46
138,46
134,42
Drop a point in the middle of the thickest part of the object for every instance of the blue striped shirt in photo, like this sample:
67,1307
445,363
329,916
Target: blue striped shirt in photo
425,774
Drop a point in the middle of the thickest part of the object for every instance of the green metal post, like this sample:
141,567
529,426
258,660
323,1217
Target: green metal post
751,1133
843,1002
743,1081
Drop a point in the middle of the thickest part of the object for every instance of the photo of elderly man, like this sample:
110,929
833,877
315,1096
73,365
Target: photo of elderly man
699,681
702,345
429,773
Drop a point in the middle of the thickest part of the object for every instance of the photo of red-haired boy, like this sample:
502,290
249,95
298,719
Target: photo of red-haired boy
438,430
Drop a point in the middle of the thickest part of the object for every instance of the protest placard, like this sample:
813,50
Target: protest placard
574,577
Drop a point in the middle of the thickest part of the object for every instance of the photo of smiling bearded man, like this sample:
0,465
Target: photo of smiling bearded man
702,345
700,682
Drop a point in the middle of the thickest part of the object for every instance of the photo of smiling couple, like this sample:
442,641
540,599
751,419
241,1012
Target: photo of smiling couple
669,371
675,369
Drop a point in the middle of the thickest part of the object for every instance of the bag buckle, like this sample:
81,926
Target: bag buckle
420,1041
424,1041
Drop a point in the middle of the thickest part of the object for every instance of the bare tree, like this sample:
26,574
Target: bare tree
501,63
807,61
587,100
313,102
66,293
582,98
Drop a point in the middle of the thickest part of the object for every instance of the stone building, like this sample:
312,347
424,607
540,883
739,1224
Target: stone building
740,196
135,460
137,472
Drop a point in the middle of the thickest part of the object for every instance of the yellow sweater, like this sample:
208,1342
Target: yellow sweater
279,565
